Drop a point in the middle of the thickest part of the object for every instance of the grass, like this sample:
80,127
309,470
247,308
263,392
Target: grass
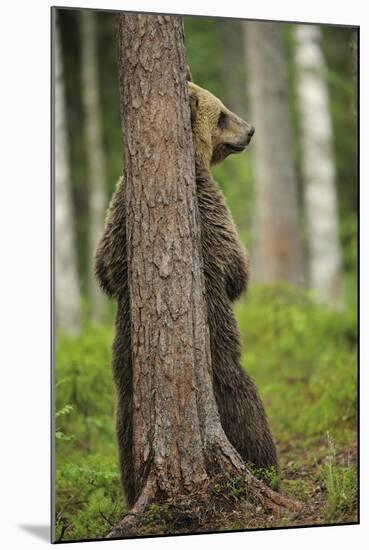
303,358
340,482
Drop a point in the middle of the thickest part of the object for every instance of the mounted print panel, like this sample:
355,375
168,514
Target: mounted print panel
205,218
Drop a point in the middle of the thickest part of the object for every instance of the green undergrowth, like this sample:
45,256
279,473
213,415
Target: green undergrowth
88,496
303,358
271,476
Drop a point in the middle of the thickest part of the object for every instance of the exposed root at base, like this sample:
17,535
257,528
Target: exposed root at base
271,500
203,511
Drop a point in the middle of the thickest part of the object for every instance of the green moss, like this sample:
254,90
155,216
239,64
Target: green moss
270,476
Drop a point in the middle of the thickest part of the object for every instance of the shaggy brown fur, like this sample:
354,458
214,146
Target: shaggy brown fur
217,133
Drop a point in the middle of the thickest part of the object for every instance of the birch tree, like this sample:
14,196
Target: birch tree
277,247
179,446
67,292
318,166
94,149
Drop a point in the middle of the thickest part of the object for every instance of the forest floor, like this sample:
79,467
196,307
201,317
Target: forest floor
303,358
325,484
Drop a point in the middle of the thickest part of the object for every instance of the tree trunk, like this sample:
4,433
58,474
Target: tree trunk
67,293
277,246
354,56
94,149
175,416
233,66
318,166
178,442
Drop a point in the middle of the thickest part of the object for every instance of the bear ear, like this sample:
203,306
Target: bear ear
188,74
194,103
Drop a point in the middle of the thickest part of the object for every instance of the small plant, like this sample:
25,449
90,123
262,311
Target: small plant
215,489
59,434
340,482
270,476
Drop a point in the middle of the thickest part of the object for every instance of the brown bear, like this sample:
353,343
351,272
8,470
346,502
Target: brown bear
217,132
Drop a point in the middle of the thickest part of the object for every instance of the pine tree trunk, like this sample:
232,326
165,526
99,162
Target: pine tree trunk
318,166
67,293
277,245
94,149
175,415
178,442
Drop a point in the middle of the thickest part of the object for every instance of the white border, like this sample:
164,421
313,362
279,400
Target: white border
25,282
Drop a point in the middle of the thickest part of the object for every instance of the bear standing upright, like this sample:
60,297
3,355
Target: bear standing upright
217,132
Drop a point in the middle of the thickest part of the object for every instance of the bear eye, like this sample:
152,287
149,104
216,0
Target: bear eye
222,120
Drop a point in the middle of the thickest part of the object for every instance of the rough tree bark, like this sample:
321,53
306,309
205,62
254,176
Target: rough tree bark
277,250
94,149
179,444
67,292
318,166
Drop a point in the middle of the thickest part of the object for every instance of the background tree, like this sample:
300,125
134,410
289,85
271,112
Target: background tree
318,166
94,149
234,177
354,53
232,60
67,292
277,247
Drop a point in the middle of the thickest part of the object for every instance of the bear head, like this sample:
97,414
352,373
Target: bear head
217,132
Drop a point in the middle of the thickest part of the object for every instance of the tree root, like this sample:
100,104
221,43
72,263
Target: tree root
199,511
271,500
132,520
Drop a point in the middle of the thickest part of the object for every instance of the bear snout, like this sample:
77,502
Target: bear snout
250,133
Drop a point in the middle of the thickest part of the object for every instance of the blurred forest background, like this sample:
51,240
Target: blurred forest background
294,198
